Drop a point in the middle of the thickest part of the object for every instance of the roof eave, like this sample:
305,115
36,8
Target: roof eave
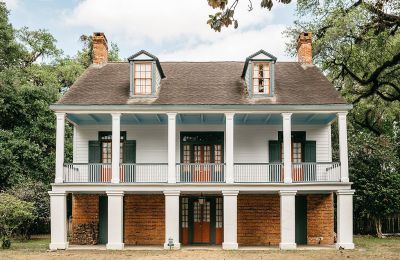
204,107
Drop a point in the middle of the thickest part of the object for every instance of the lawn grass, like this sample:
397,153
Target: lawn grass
34,244
367,247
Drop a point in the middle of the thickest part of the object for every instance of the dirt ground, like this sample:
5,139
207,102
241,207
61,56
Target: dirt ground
367,248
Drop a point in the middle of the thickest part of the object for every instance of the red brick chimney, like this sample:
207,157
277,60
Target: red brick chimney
304,47
100,48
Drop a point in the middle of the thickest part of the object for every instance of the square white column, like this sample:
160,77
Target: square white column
115,220
287,147
60,128
344,158
288,220
115,146
58,223
229,137
345,219
172,219
171,147
230,220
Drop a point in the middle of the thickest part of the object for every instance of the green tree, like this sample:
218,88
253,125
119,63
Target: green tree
226,14
14,213
357,45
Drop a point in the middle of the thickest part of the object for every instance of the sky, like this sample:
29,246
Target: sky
173,30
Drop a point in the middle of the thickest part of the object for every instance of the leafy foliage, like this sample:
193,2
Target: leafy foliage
357,44
34,73
226,17
14,213
35,192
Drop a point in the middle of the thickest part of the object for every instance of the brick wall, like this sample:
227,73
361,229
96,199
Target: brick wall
85,219
320,222
144,219
258,219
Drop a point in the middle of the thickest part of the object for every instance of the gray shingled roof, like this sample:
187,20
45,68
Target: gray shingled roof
211,83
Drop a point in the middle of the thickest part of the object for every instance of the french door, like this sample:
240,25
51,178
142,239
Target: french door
202,221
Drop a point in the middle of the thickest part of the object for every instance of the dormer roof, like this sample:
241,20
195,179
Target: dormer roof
147,56
261,55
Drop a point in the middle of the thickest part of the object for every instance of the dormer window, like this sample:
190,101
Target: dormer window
258,74
261,78
143,78
146,75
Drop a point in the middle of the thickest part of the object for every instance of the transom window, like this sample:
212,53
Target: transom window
143,84
261,78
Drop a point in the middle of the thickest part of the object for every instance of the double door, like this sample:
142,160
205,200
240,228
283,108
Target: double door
207,162
201,220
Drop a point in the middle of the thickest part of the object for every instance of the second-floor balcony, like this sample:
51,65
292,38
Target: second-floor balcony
201,172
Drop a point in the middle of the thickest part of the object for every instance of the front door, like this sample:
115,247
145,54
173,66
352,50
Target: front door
202,221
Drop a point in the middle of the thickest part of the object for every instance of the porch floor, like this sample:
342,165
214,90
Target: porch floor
201,247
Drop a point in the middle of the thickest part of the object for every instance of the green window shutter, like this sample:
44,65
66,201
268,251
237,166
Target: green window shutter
272,77
130,157
130,151
310,151
94,157
274,151
310,155
94,152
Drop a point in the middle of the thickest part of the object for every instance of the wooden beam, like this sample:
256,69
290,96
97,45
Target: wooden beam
95,118
311,117
245,118
136,118
159,118
267,118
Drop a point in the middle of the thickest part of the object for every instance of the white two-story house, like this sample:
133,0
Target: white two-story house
213,153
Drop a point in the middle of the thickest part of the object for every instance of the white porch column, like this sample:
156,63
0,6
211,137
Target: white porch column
288,219
345,219
171,147
229,137
116,139
344,159
287,147
60,128
172,219
115,220
230,220
58,223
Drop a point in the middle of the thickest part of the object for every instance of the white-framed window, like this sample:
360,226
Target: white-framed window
262,78
143,78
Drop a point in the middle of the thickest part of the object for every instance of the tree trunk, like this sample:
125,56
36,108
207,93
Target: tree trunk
378,227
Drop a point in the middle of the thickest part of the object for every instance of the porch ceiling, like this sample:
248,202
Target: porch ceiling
240,119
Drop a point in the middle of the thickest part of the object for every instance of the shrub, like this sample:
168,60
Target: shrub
14,213
37,193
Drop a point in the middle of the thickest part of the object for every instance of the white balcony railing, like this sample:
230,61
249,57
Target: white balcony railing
316,172
128,173
200,172
144,172
87,172
258,172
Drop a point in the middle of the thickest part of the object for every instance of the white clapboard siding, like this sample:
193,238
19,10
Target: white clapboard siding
250,141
